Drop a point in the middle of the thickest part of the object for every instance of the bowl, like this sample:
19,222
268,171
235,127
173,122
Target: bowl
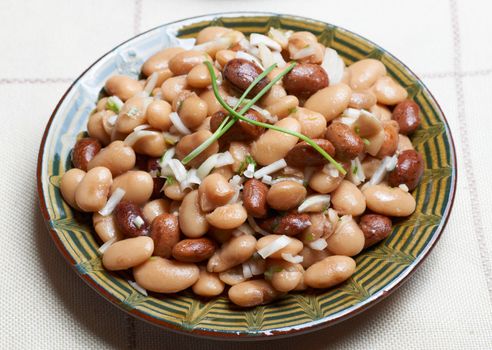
380,269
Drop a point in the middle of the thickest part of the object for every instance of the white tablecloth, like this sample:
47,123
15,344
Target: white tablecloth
46,44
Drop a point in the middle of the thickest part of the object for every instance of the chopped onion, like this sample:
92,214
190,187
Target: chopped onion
278,59
269,169
330,169
250,171
236,183
388,164
115,103
274,247
135,136
314,200
112,202
138,288
247,273
112,119
292,259
246,229
318,244
224,159
151,82
391,163
207,166
279,37
351,113
141,127
404,187
248,57
191,178
178,124
255,227
222,43
166,157
267,179
178,170
303,53
359,176
287,178
138,221
170,138
333,65
265,55
308,173
102,249
269,118
257,39
256,265
332,216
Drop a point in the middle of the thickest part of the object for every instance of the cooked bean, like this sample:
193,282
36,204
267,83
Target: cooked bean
324,182
154,208
117,157
252,293
375,228
138,186
289,276
208,284
158,184
189,142
225,171
294,246
311,256
233,276
234,252
381,112
220,235
192,220
313,124
370,165
290,224
68,185
329,272
105,227
128,253
283,106
95,126
389,92
238,151
364,73
183,62
254,198
389,201
404,143
273,95
241,130
101,104
305,79
172,87
151,145
158,115
126,216
330,101
194,250
240,73
274,145
173,191
348,144
160,60
84,151
164,231
92,192
214,191
302,40
212,102
199,76
320,227
227,216
367,125
122,86
362,99
407,115
210,33
303,154
408,170
348,199
193,111
132,114
286,195
224,56
390,142
348,239
165,276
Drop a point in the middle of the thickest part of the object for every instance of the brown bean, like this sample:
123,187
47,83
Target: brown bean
164,231
125,214
375,228
159,183
290,224
194,250
390,143
348,145
286,195
305,79
408,170
407,115
254,198
84,150
189,142
303,154
241,130
240,73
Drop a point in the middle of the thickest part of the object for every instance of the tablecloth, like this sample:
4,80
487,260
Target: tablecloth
447,304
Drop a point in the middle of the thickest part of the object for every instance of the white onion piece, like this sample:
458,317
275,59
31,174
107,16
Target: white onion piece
138,288
248,57
151,82
282,179
116,101
331,170
278,59
224,159
267,179
265,55
178,170
178,123
359,176
255,227
332,216
138,221
257,39
135,136
236,180
274,247
271,168
170,138
380,173
102,249
314,200
190,180
318,244
404,187
265,114
351,113
391,163
250,171
247,273
333,65
279,37
167,156
112,119
303,53
292,259
112,202
308,173
246,229
207,166
142,127
236,183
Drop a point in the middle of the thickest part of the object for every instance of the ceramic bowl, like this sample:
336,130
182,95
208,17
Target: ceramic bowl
380,269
